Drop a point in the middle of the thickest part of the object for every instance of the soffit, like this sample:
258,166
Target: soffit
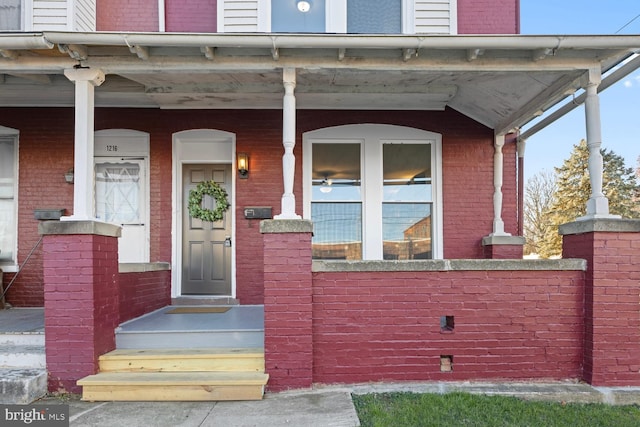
502,82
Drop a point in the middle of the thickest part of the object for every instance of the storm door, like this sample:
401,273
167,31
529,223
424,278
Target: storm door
206,246
121,199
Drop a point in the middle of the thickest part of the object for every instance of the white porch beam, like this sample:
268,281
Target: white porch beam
598,204
85,80
36,78
272,60
289,141
498,223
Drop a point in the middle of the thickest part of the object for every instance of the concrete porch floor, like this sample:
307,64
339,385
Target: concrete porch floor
238,317
241,326
22,320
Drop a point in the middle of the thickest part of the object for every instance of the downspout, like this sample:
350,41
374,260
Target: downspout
521,145
162,25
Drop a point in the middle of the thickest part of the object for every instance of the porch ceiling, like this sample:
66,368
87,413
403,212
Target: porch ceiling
500,81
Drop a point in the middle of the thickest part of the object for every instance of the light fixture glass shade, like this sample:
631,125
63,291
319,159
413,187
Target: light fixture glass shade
243,165
68,176
304,6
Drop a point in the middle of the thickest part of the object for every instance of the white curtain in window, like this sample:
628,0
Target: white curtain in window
7,200
10,15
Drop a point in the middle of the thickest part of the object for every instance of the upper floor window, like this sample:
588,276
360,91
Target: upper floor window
338,16
374,16
10,15
294,16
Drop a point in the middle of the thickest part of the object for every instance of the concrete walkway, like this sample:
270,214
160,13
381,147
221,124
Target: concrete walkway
329,406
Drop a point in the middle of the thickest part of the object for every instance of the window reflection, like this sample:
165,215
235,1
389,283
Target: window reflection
336,207
406,208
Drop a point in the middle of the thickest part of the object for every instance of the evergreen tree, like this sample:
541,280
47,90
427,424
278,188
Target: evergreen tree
574,189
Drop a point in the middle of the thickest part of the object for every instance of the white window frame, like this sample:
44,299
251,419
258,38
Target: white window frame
12,266
336,16
373,136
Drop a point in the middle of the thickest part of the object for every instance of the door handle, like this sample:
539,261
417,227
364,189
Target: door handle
227,241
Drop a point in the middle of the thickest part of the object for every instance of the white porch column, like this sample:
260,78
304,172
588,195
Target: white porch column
598,204
86,80
289,141
498,224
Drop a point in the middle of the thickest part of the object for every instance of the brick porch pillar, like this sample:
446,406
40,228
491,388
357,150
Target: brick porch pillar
80,262
612,296
288,334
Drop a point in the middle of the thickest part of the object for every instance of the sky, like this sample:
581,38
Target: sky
619,104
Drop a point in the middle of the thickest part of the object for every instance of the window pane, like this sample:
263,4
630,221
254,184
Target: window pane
286,18
10,15
406,231
337,230
374,16
118,193
7,168
336,172
407,172
7,201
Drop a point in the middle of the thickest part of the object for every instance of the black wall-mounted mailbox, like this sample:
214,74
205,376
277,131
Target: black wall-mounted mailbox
48,214
258,212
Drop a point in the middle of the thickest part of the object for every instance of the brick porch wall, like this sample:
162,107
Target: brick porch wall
518,323
142,292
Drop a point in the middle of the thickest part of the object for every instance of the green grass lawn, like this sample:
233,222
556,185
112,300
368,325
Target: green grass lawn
463,409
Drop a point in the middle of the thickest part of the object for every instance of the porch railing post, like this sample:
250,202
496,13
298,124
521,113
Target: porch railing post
81,298
288,305
611,247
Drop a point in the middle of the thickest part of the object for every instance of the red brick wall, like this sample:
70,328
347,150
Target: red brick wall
385,326
488,16
141,293
46,152
127,15
612,324
81,305
194,16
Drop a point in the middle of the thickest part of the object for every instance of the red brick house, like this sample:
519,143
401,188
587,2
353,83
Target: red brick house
373,167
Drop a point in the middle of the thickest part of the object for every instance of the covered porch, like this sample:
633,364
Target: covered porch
313,310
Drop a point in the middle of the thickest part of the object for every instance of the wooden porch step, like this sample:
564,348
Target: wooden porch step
173,386
183,360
